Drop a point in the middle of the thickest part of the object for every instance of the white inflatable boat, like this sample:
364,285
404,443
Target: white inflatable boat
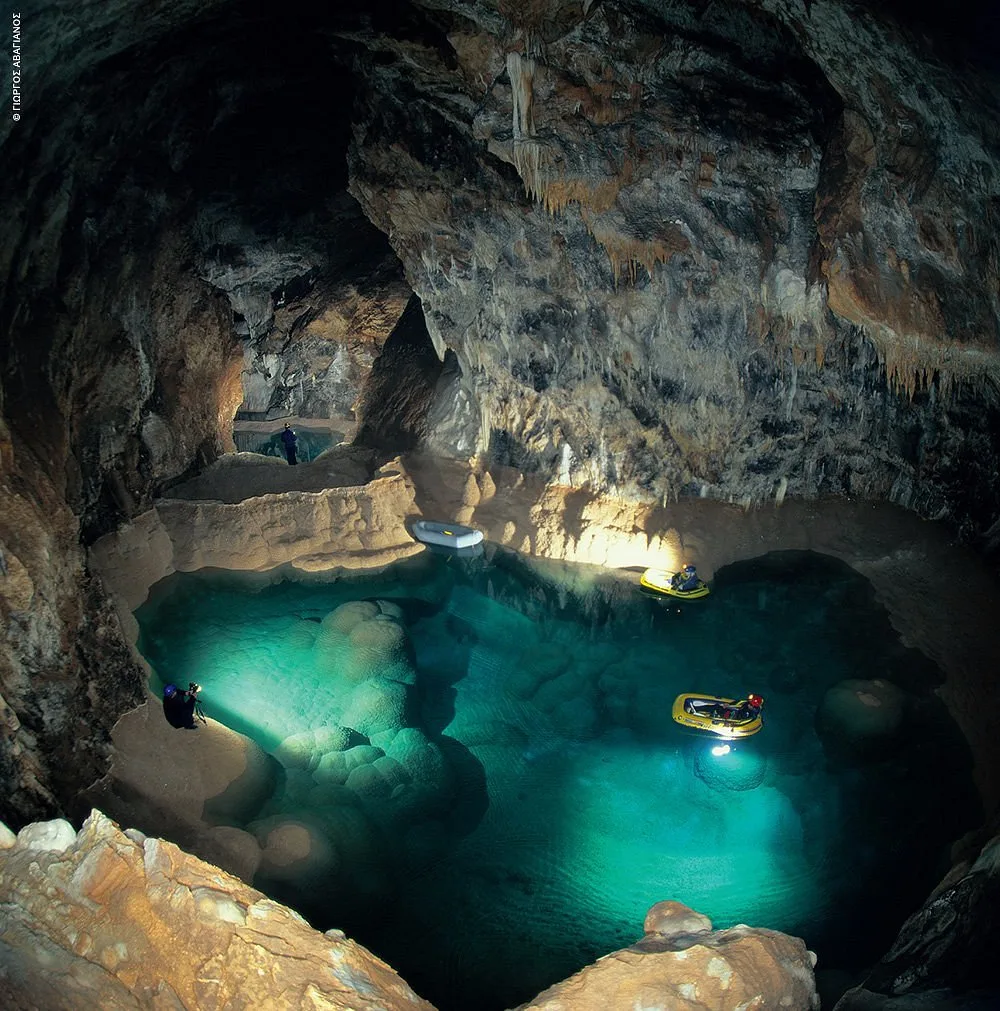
449,535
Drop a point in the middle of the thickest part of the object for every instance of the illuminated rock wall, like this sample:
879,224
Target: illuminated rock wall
740,251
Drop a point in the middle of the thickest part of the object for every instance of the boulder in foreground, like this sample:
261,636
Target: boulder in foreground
105,919
682,963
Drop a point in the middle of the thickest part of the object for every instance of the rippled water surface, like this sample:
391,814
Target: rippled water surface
544,798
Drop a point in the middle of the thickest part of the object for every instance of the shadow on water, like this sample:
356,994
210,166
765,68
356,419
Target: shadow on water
577,801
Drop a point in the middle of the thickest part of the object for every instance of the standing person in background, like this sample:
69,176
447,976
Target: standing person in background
289,438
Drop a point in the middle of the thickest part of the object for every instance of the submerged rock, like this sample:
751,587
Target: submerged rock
737,769
859,720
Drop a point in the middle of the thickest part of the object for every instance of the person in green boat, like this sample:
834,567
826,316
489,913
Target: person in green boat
685,580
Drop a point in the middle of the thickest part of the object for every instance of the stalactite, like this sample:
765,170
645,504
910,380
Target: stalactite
531,159
559,193
521,72
913,363
627,254
792,390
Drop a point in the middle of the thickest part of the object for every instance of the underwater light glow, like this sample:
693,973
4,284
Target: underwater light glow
721,749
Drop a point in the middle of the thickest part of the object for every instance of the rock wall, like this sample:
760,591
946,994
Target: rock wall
313,312
943,956
736,251
746,252
65,673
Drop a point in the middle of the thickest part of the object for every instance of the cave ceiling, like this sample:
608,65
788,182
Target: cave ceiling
715,248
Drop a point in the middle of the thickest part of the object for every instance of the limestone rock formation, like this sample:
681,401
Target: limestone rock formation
198,788
228,523
663,250
313,312
861,718
65,673
108,919
682,963
686,249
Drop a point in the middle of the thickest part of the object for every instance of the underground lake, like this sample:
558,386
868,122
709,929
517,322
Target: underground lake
478,759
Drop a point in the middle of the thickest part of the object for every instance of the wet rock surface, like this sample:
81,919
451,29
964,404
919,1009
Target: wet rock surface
943,956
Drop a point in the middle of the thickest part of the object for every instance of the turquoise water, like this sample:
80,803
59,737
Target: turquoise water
513,794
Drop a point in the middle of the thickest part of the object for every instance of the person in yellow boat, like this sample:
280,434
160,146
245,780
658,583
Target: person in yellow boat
749,708
739,712
685,580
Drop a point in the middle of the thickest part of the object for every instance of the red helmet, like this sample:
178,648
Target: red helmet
755,700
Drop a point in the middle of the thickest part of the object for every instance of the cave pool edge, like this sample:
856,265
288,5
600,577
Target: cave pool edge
591,814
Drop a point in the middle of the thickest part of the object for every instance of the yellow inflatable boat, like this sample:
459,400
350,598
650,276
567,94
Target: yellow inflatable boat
658,581
729,718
